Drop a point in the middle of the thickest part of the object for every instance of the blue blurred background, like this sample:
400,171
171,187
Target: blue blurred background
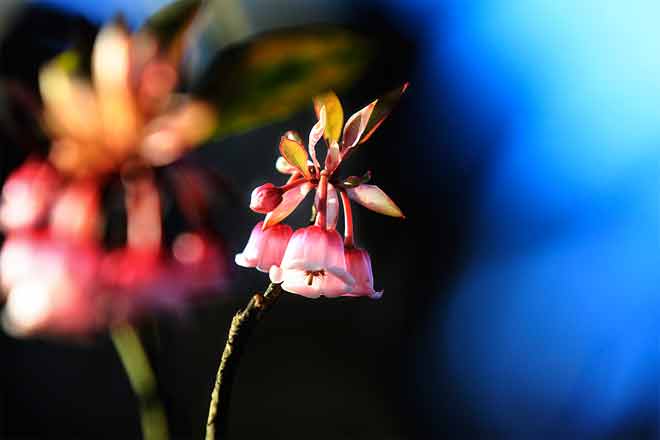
528,155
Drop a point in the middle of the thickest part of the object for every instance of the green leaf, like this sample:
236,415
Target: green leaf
373,198
294,153
290,201
382,110
334,115
171,23
275,74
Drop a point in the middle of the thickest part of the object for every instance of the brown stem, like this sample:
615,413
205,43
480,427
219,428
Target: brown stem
242,326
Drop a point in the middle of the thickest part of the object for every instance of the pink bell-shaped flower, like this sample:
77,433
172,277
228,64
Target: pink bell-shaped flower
314,264
265,248
358,264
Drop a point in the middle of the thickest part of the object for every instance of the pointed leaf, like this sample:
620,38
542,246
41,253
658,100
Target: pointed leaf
171,25
332,157
290,201
383,108
356,125
276,74
294,153
334,115
332,207
372,197
315,135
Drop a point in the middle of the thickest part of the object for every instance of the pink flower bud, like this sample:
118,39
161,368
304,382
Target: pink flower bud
265,198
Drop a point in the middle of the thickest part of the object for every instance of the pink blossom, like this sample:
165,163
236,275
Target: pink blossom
27,195
358,264
53,294
265,198
314,264
265,248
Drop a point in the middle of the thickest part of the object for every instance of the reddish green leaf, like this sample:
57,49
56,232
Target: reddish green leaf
294,153
383,108
373,198
356,125
334,115
290,201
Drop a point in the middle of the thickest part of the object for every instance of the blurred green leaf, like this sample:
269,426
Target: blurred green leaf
275,74
171,22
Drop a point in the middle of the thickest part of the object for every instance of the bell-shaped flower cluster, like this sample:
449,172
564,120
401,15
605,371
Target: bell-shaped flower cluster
316,260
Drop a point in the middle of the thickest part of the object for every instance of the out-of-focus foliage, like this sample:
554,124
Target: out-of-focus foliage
275,74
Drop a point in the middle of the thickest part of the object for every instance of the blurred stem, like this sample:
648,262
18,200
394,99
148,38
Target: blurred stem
143,381
242,326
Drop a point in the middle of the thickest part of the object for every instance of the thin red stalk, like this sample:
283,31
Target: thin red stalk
348,219
323,199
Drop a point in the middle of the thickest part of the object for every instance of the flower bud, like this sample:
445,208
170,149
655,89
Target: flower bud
265,198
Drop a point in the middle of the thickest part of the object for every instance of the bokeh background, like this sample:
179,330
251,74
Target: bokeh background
521,293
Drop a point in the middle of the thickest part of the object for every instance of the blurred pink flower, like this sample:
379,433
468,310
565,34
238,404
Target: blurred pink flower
49,285
27,195
128,112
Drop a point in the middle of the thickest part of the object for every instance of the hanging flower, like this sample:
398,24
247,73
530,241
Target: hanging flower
317,262
265,248
313,264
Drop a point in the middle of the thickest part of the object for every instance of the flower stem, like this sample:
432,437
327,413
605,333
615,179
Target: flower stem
142,380
242,326
348,220
323,197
